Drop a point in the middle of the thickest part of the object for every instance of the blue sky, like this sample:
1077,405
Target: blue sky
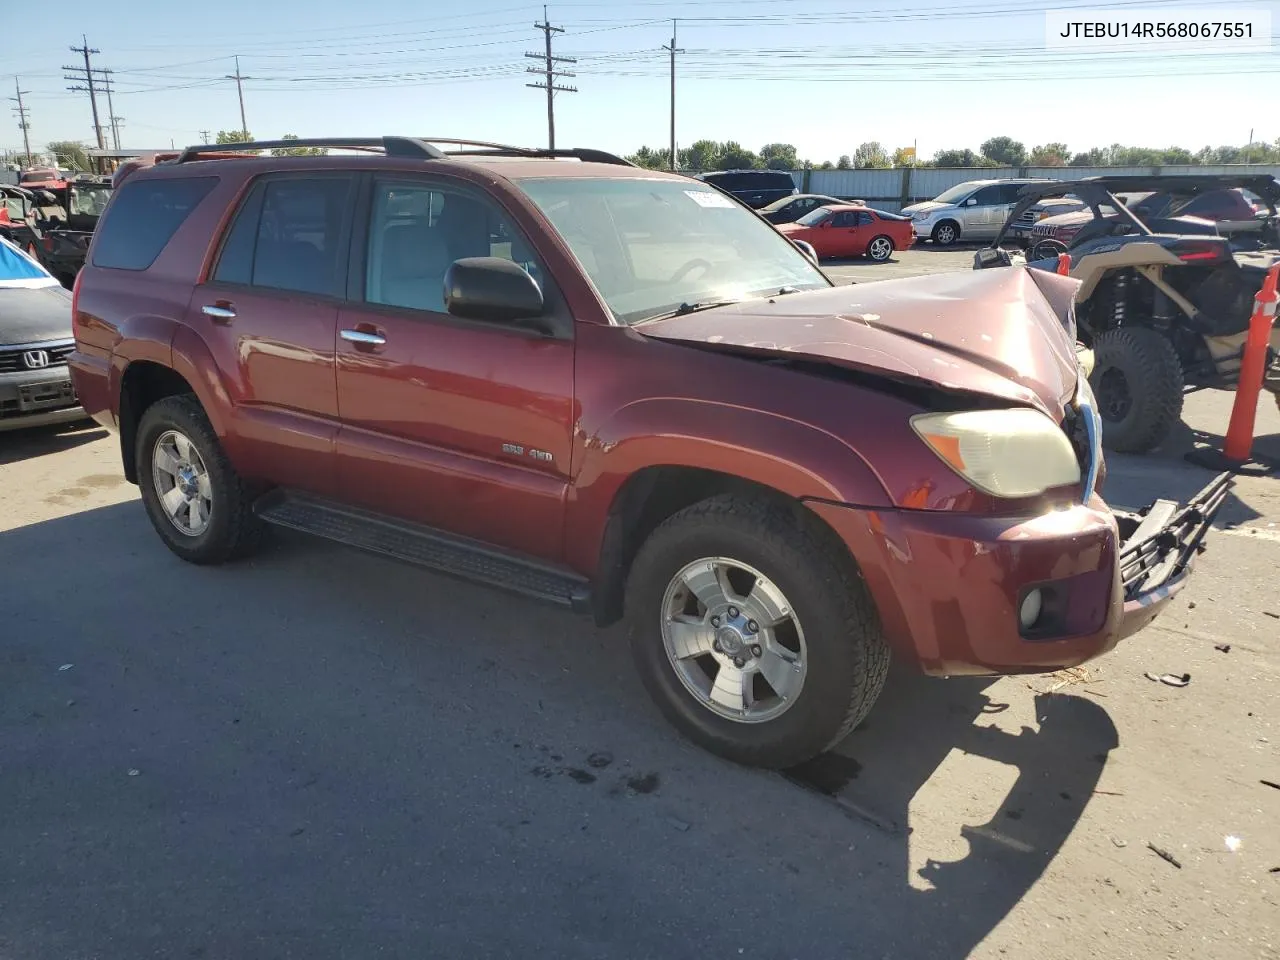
825,75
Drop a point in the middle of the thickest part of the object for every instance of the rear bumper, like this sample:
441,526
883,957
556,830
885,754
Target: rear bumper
948,587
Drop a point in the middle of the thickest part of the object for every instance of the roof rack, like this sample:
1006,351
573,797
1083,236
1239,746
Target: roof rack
421,147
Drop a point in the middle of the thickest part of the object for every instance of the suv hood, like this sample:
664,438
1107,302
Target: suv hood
1007,333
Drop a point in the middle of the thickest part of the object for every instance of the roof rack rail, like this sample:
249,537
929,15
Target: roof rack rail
421,147
391,146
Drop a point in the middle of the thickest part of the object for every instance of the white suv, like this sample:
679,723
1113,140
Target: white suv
974,210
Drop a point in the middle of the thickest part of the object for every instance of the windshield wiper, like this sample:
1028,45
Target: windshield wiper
687,308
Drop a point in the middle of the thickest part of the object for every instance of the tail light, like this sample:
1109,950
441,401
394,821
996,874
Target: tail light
1200,251
75,305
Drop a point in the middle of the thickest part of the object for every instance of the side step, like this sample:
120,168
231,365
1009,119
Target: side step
426,547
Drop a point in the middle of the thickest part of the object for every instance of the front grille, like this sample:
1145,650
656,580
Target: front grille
16,359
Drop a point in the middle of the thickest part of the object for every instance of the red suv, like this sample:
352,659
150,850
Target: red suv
622,391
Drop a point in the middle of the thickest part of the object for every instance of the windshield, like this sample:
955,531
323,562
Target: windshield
958,192
814,217
651,246
89,199
38,176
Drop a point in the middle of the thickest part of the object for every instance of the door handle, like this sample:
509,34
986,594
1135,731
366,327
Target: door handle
221,312
363,337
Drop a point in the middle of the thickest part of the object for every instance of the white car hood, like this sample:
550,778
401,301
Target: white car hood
928,206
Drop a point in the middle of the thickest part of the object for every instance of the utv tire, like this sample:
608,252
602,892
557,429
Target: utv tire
767,563
194,498
946,233
1137,379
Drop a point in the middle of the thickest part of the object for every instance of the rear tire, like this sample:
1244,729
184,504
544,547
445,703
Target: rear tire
178,449
841,659
946,233
1137,378
880,249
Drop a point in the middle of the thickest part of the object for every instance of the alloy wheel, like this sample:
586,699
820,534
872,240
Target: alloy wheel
182,483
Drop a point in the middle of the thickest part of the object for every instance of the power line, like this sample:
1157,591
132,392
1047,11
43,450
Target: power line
673,50
548,68
85,76
114,121
24,121
239,78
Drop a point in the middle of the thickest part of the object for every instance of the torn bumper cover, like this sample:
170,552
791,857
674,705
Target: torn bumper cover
1158,550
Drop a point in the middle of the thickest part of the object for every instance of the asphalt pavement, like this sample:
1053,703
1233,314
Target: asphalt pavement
321,754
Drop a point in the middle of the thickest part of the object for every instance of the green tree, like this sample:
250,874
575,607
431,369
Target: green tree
1005,151
297,151
235,136
904,157
961,158
701,155
779,156
734,156
828,165
845,162
70,154
871,155
1049,155
650,158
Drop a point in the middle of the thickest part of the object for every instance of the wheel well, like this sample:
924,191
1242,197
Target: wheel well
649,497
143,384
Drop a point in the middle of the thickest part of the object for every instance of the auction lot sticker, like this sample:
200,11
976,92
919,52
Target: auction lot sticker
1213,30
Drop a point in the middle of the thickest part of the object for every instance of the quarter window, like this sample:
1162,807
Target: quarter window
143,218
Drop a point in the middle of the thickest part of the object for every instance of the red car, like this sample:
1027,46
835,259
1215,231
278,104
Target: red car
852,230
620,391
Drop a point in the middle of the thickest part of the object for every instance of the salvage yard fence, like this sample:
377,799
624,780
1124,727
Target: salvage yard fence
893,189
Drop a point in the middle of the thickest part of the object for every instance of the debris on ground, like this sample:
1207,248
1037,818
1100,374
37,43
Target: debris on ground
1191,605
65,667
1270,783
1163,854
1271,613
1233,843
1170,679
600,760
1222,647
1069,677
1119,843
678,824
134,771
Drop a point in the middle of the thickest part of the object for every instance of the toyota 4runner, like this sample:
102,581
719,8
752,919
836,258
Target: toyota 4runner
622,391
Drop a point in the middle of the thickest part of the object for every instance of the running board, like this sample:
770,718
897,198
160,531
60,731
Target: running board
426,547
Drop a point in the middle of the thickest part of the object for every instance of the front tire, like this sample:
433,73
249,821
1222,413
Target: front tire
193,496
880,249
1137,378
946,233
753,632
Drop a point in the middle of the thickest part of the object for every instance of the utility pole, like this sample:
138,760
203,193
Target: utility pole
84,75
24,122
112,119
204,136
548,68
238,77
673,50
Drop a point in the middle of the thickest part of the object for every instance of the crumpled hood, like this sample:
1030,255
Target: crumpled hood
927,206
1007,332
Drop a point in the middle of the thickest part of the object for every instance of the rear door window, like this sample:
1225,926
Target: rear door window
290,234
143,217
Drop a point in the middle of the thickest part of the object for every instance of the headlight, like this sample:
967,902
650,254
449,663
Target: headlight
1006,453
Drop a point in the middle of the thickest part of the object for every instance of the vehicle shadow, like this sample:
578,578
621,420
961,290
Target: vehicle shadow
364,685
921,725
38,441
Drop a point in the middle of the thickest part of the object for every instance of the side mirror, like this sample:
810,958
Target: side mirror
807,249
491,289
971,202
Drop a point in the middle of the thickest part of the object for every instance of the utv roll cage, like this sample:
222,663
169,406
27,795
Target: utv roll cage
1096,191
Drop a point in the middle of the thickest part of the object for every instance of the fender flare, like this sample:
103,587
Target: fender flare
789,456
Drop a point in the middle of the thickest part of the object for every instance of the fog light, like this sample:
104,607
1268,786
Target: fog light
1029,612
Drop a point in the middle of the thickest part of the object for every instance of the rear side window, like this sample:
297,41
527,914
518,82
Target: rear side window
290,235
143,217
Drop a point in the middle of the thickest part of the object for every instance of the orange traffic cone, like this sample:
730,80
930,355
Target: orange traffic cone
1238,444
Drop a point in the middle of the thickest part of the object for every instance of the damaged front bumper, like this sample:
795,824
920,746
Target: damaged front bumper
1158,549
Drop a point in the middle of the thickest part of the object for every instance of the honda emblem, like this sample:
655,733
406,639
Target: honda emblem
35,359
